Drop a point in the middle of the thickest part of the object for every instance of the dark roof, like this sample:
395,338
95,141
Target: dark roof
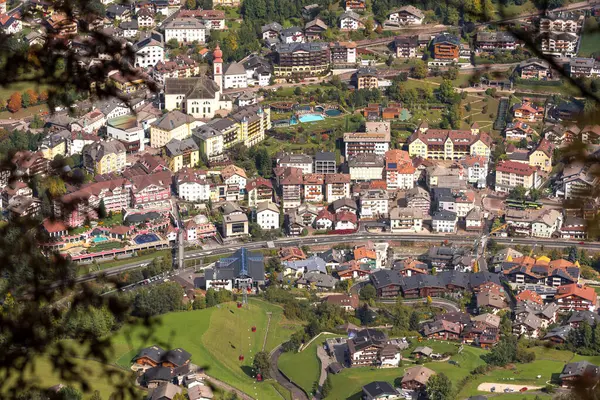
446,38
376,389
177,357
197,87
154,353
580,369
325,156
459,317
579,316
444,215
335,368
241,263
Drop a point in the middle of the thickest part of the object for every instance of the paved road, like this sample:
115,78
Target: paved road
227,388
356,237
297,393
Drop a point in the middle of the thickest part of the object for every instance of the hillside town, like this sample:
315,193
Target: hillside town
421,179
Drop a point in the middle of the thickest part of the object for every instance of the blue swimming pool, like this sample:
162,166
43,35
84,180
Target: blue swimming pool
333,113
99,239
146,238
311,118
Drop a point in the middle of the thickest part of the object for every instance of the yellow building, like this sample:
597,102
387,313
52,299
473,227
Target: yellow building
247,125
104,157
447,144
172,125
181,154
542,156
54,145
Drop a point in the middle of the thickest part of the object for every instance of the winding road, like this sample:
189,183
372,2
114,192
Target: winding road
295,390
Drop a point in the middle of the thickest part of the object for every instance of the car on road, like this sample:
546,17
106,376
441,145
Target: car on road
493,389
523,389
581,242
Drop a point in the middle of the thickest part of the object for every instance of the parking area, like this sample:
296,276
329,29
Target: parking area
504,388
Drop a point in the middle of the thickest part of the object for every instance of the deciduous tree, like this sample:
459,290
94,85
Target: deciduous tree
15,102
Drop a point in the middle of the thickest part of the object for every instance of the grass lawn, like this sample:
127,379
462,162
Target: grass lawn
565,88
216,337
106,246
87,268
304,368
437,346
348,383
514,10
462,79
7,91
590,43
519,374
94,372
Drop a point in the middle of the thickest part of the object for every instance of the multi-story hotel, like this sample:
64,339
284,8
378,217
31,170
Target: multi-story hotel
447,144
301,59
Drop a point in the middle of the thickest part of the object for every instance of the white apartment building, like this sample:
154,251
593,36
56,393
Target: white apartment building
546,224
185,30
267,215
149,51
302,161
407,15
510,174
444,221
405,219
374,203
234,76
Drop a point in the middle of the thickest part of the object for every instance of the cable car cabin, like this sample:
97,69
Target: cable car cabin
239,305
259,377
241,358
253,329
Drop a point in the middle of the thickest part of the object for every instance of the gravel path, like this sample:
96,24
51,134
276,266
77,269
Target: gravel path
487,387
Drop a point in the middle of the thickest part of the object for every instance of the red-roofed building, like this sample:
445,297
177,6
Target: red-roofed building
152,191
448,144
290,182
291,254
259,190
576,297
510,174
54,228
528,112
399,170
528,295
313,188
10,24
324,220
346,220
337,186
82,204
347,302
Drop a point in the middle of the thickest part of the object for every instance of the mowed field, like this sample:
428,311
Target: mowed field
304,368
348,383
548,364
216,337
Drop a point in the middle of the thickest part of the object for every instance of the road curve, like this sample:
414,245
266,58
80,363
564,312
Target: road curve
295,390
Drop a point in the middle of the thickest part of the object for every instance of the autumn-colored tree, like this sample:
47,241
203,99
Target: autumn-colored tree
33,96
43,97
14,103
